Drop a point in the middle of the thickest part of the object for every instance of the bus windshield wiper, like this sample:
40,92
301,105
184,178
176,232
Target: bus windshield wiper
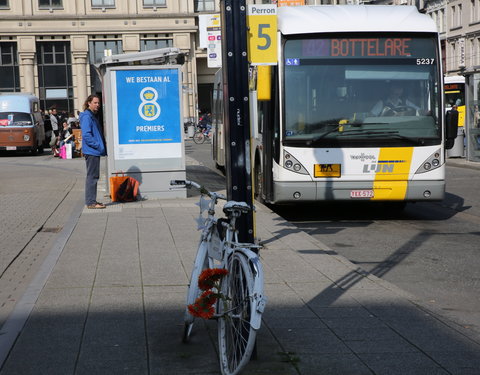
370,133
336,128
377,133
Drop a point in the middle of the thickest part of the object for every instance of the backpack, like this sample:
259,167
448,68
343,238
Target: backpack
128,190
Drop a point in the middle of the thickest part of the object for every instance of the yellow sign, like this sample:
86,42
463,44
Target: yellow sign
290,3
262,34
327,170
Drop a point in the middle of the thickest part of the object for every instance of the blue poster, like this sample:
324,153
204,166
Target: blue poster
148,106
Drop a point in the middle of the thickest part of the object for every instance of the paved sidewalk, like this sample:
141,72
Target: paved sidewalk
463,163
114,296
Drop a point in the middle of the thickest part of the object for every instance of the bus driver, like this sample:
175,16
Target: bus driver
395,104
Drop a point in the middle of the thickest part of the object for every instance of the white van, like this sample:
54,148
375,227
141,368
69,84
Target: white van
21,123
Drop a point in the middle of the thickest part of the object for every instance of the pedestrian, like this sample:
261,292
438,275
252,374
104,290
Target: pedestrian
54,121
66,135
72,121
93,147
49,136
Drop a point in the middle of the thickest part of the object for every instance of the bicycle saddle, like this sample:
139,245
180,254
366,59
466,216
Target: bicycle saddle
232,206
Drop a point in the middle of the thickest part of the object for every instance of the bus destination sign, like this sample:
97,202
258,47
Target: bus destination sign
358,47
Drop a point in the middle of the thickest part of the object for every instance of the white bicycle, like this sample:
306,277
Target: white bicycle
239,311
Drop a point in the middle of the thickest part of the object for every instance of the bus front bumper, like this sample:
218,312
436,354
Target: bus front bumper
288,192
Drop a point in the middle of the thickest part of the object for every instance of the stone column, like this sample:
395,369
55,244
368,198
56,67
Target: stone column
26,55
27,60
79,44
80,62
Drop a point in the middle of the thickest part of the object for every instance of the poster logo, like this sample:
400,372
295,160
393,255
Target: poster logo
149,109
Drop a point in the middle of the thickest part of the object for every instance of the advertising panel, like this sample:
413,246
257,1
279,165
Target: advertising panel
147,114
214,41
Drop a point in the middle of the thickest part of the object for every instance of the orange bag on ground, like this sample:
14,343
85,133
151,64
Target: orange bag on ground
115,182
123,188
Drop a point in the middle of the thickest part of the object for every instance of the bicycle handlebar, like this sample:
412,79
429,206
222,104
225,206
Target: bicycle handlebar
188,184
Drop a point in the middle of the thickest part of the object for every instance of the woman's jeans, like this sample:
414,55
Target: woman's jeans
93,173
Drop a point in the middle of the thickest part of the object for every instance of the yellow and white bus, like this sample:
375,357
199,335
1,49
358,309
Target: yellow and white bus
354,109
455,95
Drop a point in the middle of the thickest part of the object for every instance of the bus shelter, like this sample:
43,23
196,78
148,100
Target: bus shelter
142,95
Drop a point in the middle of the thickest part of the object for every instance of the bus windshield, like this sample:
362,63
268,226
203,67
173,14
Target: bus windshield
361,91
454,94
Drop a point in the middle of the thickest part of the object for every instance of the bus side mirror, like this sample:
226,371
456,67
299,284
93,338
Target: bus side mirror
451,128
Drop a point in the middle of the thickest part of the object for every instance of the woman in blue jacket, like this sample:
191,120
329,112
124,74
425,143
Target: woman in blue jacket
93,147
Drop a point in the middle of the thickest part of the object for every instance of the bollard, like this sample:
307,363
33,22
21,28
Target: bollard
190,131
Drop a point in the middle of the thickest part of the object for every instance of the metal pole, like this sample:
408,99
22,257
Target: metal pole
236,104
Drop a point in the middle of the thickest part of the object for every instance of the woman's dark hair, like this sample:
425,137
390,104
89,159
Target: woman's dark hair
89,99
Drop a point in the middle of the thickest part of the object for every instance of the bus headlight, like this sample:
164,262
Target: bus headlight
293,164
26,137
431,163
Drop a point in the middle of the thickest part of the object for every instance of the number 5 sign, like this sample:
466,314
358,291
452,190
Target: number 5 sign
262,34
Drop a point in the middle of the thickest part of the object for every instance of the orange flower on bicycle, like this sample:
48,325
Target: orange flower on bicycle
211,277
203,306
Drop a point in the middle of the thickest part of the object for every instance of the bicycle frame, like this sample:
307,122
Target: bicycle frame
239,308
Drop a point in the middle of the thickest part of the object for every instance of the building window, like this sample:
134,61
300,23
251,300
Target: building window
475,11
204,5
97,49
477,53
154,3
3,4
9,72
103,3
55,75
453,59
442,20
471,43
149,44
48,4
472,10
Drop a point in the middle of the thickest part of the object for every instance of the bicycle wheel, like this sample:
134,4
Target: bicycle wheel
199,137
236,336
201,263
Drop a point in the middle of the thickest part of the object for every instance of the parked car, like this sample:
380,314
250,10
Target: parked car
21,123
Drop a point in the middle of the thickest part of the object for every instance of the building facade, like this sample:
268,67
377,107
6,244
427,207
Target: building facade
49,47
458,22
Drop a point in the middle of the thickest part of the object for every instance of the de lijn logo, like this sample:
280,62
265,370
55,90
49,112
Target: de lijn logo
149,109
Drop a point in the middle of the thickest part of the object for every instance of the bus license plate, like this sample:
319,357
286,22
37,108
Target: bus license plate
361,194
11,148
